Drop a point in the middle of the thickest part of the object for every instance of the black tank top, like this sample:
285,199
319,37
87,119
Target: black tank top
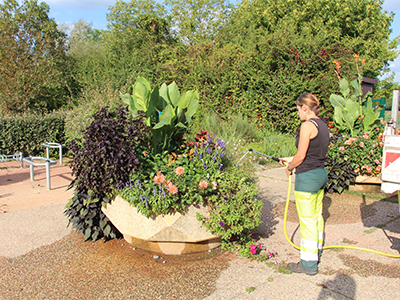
316,152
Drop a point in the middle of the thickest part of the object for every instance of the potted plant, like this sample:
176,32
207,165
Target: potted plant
168,182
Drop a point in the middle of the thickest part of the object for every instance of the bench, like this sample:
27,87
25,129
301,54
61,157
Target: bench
16,156
53,145
47,162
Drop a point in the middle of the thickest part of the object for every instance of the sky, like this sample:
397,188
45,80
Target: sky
70,11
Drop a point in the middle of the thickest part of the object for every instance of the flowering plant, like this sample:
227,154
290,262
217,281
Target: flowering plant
202,174
363,151
349,157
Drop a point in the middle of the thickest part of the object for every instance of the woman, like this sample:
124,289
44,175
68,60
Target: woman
311,178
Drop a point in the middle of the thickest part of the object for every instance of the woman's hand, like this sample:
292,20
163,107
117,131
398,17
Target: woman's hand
288,173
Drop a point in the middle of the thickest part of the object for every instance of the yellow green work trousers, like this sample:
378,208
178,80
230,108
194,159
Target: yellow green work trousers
309,194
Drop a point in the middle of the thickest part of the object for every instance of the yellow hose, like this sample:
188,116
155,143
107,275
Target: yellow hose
327,247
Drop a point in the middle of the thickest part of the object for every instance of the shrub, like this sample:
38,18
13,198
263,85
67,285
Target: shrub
27,132
105,158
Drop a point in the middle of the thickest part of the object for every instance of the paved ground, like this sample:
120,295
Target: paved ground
40,258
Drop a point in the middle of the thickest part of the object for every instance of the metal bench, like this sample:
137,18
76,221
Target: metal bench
47,162
16,156
53,145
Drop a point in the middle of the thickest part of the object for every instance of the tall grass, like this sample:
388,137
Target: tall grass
279,144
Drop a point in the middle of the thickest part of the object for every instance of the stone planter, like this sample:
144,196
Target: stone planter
171,234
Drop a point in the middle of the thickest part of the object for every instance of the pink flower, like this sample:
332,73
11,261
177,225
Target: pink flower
365,136
179,170
341,148
253,251
372,151
159,178
379,167
369,169
357,170
362,144
172,189
259,246
377,161
203,184
383,122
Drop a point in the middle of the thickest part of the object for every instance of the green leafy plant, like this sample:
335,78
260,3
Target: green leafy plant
167,111
105,158
352,113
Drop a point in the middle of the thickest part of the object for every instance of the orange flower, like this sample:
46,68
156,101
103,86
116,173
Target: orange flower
337,64
203,184
356,56
159,178
172,189
145,153
363,61
179,170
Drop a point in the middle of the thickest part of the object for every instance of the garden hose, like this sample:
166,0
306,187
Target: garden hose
326,247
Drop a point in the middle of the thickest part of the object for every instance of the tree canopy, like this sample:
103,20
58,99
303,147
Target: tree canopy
32,57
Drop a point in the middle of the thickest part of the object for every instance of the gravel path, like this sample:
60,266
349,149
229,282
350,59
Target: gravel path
42,259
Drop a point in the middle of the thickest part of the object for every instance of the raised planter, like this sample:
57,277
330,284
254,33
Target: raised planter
171,234
367,184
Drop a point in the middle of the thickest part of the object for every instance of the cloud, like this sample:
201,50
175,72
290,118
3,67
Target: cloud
81,4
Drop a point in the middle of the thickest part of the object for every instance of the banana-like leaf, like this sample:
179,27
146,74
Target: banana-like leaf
193,105
357,87
369,120
127,98
168,115
181,125
344,87
173,94
337,101
185,99
164,96
353,110
142,93
338,117
160,125
153,102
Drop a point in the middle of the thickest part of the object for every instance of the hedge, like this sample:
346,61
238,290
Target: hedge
27,132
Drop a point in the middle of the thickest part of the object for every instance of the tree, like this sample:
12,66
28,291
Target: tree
32,57
198,21
359,26
138,38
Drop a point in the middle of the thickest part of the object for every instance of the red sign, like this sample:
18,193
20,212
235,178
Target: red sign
391,157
